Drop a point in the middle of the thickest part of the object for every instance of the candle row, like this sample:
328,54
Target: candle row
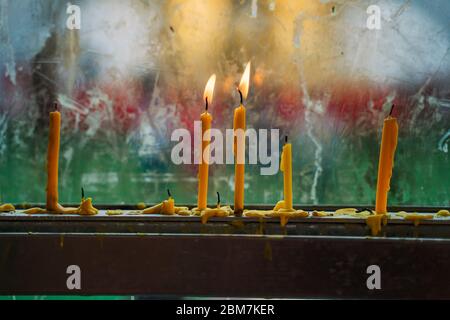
385,167
386,162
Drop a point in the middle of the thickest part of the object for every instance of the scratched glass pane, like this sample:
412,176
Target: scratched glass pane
136,70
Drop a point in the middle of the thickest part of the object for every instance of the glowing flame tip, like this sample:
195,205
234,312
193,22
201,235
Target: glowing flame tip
245,81
209,89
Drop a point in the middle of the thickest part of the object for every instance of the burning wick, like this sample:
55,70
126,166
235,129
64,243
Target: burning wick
218,199
168,192
392,109
207,104
240,93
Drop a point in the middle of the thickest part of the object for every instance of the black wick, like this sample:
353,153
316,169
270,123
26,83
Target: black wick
207,104
240,93
55,105
286,139
364,209
218,198
392,109
168,192
82,193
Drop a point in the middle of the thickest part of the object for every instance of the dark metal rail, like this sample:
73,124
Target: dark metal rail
228,257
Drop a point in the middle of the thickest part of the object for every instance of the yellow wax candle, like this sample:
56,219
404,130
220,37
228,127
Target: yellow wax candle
239,126
52,160
168,206
386,162
203,169
286,168
86,208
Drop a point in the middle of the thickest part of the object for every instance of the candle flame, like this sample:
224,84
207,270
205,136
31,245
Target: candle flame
209,89
245,81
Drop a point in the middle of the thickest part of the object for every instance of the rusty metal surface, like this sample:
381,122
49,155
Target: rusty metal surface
214,265
311,226
228,257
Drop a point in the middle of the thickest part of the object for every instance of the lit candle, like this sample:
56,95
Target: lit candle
286,168
52,160
386,162
239,127
203,169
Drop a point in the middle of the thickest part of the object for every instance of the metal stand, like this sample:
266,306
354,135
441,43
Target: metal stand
228,257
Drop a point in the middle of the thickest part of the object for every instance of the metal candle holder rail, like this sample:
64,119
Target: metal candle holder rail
233,256
250,207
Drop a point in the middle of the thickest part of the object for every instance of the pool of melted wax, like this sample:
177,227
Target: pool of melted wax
374,222
347,213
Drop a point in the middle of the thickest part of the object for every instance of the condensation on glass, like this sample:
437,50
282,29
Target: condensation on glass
324,72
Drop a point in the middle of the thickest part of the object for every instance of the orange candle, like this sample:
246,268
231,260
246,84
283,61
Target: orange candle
203,169
52,160
286,168
239,127
386,162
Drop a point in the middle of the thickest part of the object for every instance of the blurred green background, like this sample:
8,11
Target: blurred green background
136,71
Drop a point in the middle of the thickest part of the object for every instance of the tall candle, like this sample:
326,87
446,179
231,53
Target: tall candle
52,160
239,126
203,171
386,162
286,168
